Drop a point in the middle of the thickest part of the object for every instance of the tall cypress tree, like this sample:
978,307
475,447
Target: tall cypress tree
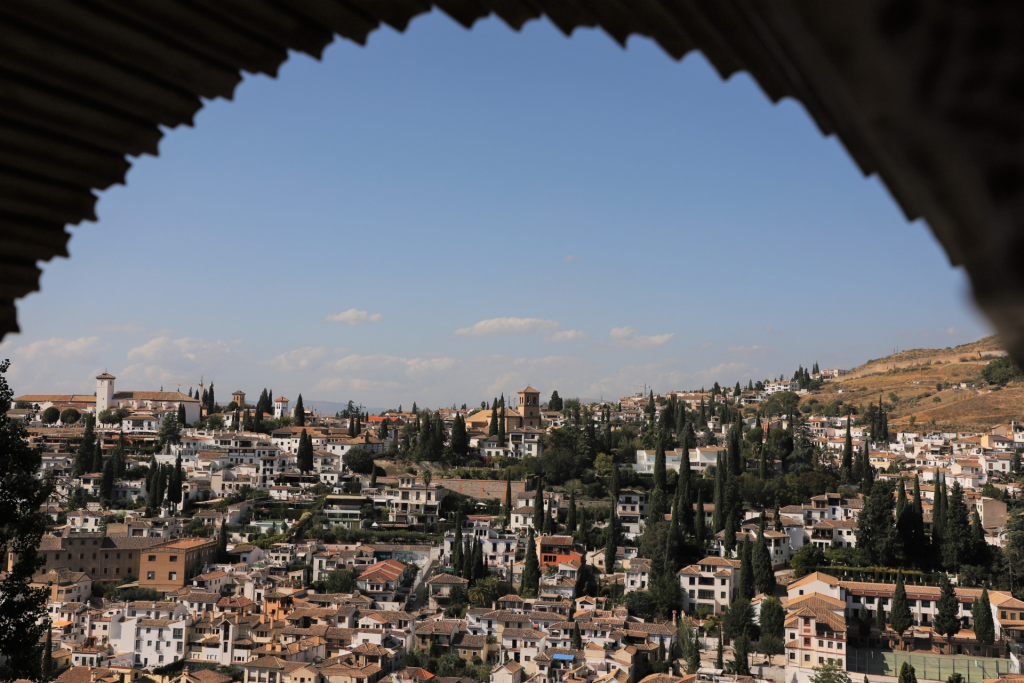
531,570
956,540
299,414
764,574
611,543
502,423
538,504
182,419
570,520
718,517
508,496
700,531
847,463
984,628
659,466
947,621
614,487
97,458
746,582
900,618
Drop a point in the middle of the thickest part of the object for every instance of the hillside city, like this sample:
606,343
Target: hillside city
797,529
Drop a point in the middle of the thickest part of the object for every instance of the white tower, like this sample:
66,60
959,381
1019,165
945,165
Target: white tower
281,407
104,392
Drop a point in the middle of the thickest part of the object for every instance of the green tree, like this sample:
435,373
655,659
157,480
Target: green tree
459,437
577,637
764,574
875,527
23,616
830,672
570,520
847,463
900,618
299,414
772,618
304,456
97,458
50,416
611,543
719,663
174,484
70,416
222,544
741,656
555,403
502,425
956,538
907,674
659,466
947,621
531,570
86,449
1000,371
984,629
341,581
107,482
170,431
182,418
745,588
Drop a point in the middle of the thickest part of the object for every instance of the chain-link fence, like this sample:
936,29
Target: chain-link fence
931,667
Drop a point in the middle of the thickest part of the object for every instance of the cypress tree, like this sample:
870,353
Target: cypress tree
907,674
880,618
492,427
538,505
531,570
659,466
611,543
479,568
546,529
120,458
700,532
764,575
468,564
746,582
981,611
107,483
97,457
947,621
957,532
615,487
899,615
867,477
719,663
508,496
570,520
847,463
299,414
48,652
718,518
740,653
457,546
577,637
501,423
182,419
222,544
174,490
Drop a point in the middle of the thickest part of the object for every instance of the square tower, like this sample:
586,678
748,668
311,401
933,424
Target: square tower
529,407
104,392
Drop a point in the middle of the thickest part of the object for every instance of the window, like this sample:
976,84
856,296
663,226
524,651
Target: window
807,658
174,558
705,595
152,558
150,576
821,660
172,576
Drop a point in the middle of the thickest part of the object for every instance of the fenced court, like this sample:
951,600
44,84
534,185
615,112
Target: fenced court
932,667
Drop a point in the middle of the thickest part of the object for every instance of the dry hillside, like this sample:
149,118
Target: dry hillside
907,383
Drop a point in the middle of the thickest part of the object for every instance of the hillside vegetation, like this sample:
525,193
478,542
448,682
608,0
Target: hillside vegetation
925,387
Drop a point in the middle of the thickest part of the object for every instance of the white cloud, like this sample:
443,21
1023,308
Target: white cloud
508,327
566,335
54,365
305,358
772,330
354,316
628,337
948,332
753,351
119,327
512,327
55,347
569,257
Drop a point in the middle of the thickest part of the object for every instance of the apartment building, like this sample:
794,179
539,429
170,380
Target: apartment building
170,566
414,502
100,557
711,582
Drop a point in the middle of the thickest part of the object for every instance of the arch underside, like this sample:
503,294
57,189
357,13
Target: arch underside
928,95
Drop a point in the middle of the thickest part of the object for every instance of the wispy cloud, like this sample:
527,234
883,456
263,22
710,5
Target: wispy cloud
771,330
569,257
753,351
513,327
948,332
119,327
305,358
354,316
628,337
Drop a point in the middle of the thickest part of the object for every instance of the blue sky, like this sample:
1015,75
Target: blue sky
445,215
